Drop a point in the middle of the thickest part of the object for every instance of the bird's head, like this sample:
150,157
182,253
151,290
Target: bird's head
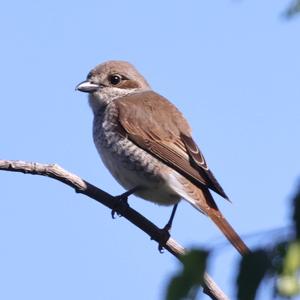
111,80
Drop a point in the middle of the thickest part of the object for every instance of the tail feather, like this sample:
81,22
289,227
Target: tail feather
228,231
203,201
212,211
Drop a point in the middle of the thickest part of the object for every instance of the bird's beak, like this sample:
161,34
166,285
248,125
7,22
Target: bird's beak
87,87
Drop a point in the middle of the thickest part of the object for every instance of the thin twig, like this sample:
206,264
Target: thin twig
81,186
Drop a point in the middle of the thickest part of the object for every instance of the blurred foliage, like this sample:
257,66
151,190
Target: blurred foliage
280,264
253,268
186,284
293,9
288,281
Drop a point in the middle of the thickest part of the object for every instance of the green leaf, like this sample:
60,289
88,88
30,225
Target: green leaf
292,259
178,288
191,276
194,264
288,283
253,268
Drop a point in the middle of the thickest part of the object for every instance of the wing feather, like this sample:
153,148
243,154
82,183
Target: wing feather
155,125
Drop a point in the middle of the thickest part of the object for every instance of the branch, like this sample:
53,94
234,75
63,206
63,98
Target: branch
81,186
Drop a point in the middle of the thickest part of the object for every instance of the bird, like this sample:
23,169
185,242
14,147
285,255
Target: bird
147,145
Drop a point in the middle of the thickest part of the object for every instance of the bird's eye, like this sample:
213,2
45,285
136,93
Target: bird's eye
89,75
115,79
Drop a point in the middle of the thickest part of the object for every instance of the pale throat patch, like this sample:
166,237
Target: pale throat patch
104,96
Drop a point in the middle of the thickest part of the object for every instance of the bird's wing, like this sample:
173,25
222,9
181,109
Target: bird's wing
154,124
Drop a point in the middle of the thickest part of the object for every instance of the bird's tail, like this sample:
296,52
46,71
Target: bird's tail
209,207
218,218
203,201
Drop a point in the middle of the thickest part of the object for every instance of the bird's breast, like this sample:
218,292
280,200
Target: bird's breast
130,165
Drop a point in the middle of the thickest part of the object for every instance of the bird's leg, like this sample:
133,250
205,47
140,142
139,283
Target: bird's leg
169,224
122,202
166,230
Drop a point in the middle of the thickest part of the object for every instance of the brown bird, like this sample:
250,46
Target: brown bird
147,145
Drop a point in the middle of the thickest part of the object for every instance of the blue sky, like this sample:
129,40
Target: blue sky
232,67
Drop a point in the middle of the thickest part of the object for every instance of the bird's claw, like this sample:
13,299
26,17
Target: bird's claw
122,202
114,212
121,205
162,239
161,249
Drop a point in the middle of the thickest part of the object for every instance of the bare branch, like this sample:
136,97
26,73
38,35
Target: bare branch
81,186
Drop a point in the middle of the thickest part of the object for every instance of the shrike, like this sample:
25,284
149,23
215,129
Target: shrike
147,145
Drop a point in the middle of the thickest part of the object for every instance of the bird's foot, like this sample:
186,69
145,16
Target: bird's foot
121,203
162,239
165,231
165,235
